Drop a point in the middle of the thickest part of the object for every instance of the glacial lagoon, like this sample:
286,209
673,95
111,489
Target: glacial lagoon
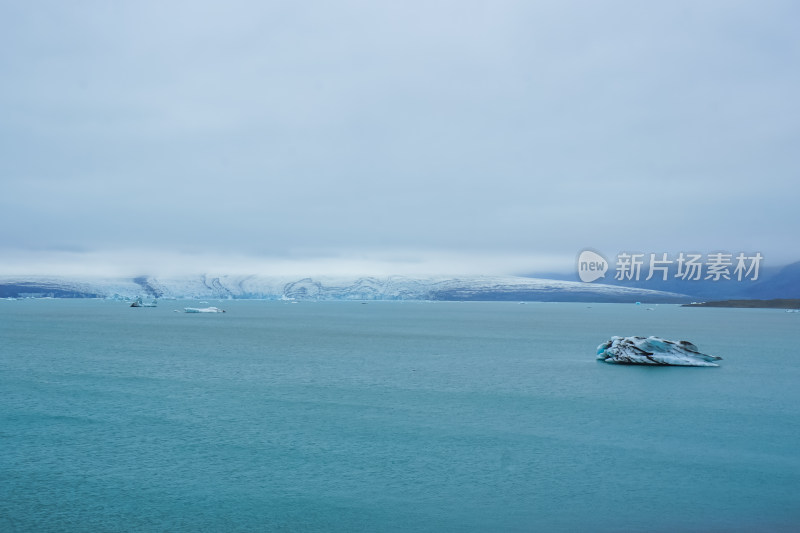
393,416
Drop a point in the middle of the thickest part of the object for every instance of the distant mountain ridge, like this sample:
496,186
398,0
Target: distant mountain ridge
486,288
772,282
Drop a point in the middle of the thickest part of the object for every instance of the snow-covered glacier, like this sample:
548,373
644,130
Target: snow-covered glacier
653,351
507,288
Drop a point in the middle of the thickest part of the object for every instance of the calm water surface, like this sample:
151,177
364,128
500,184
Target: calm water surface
338,416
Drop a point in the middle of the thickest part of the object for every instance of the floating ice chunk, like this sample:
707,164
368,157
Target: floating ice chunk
653,351
203,310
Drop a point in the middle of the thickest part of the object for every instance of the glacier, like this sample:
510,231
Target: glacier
653,351
208,286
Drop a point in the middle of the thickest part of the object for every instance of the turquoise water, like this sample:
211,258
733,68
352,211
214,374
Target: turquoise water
391,416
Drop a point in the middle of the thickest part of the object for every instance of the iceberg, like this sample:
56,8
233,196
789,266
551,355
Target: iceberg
203,310
139,303
653,351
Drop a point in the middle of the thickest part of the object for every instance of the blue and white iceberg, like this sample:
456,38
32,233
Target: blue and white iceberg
653,351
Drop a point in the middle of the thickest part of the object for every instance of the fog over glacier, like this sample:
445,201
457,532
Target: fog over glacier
393,138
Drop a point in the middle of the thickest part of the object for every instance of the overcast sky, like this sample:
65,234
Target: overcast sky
493,137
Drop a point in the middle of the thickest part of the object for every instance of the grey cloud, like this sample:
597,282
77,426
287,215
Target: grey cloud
510,128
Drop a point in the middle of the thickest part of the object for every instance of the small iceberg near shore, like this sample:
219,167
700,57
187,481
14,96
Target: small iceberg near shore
653,351
139,303
203,310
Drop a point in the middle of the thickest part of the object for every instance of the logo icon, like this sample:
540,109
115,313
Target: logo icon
591,266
